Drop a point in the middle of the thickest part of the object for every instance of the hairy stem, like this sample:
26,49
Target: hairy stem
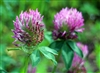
55,67
25,66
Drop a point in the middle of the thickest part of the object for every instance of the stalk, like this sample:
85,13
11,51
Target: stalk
55,67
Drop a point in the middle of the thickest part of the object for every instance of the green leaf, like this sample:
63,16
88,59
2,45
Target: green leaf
74,47
48,53
50,50
2,71
67,52
67,49
67,55
35,57
56,45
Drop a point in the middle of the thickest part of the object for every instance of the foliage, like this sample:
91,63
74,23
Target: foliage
12,61
67,49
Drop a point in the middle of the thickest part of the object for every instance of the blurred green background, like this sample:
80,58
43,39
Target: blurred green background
12,61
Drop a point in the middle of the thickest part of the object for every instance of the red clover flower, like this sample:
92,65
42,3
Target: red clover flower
28,28
66,23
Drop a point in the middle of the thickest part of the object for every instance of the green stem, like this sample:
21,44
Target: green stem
55,67
13,49
25,66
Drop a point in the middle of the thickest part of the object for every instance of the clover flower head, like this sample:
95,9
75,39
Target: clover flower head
77,61
28,28
66,23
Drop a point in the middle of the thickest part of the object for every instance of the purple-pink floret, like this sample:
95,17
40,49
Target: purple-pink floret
28,28
31,70
69,19
78,63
